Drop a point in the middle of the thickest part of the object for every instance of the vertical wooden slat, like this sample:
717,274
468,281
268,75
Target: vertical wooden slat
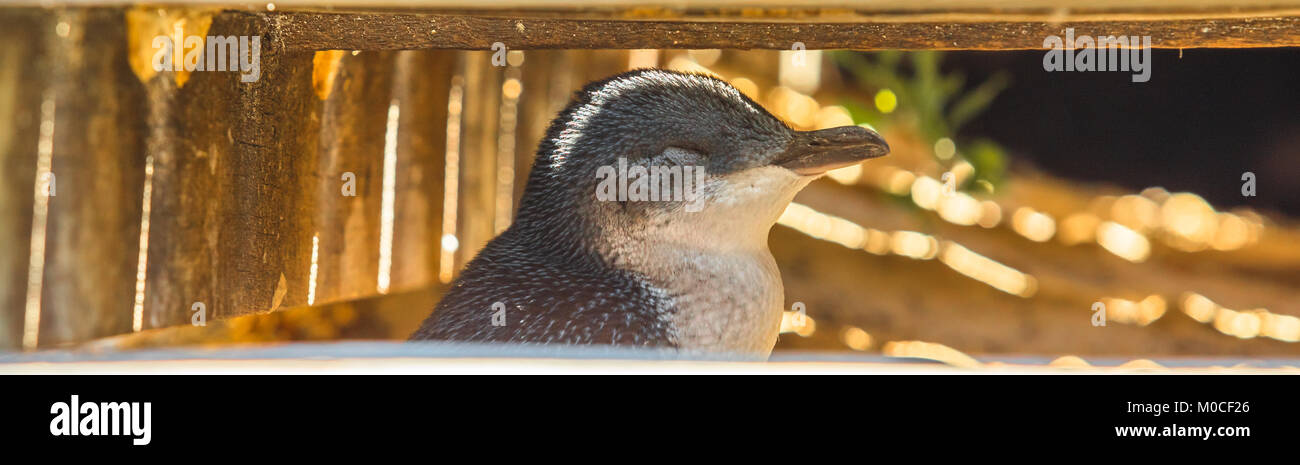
351,140
234,186
421,83
477,153
264,246
21,55
259,172
181,245
243,175
98,163
191,145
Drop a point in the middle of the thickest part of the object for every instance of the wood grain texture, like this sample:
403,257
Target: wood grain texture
646,6
390,30
92,227
233,187
351,140
20,102
260,173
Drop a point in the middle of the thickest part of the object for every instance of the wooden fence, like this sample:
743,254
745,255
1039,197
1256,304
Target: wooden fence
132,199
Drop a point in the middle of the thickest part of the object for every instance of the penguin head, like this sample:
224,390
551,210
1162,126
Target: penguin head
663,152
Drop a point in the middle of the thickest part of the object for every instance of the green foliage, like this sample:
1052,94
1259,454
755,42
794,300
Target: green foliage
938,103
988,158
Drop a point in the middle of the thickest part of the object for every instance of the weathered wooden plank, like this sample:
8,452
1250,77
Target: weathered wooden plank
421,83
261,171
191,147
92,227
872,5
350,175
194,148
305,30
234,186
264,238
784,7
21,63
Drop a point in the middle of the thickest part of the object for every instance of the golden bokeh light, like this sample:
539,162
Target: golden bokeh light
512,88
798,109
1280,327
797,323
930,351
911,244
1233,233
878,242
1140,313
915,245
832,116
962,171
1242,324
988,271
1123,242
990,214
515,58
1199,307
855,338
1189,222
960,208
1136,212
1033,225
899,182
926,192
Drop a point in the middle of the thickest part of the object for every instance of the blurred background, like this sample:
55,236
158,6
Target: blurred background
1021,212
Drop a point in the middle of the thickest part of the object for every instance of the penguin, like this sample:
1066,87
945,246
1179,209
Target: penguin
587,262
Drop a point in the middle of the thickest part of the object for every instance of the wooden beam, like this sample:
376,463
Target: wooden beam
643,7
307,30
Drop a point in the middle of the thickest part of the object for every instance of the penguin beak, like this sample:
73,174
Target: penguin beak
815,152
